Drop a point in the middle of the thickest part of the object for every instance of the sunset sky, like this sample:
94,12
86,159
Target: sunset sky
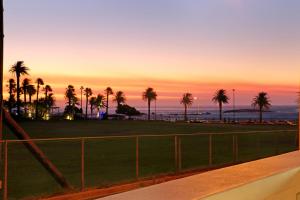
175,46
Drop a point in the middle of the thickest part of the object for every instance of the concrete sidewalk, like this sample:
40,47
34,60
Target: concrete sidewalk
213,182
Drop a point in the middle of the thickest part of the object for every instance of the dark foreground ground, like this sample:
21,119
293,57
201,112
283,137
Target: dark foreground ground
110,161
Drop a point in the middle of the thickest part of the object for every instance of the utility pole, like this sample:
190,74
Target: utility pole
233,104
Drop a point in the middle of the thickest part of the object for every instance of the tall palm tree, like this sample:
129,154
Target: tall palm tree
70,95
31,91
19,69
47,89
149,95
108,91
39,82
81,89
25,85
119,98
262,101
87,92
187,100
11,91
100,102
92,103
220,98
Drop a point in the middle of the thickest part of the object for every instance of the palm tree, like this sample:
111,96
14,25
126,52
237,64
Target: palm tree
19,69
187,100
119,98
108,91
39,82
25,85
70,95
31,91
220,98
92,102
81,89
11,90
47,89
99,103
149,95
262,101
87,92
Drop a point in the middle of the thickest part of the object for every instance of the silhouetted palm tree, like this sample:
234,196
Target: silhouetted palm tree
87,92
92,103
149,95
81,89
31,91
100,102
70,95
39,82
220,98
119,98
262,101
47,89
11,91
25,85
187,100
108,91
19,69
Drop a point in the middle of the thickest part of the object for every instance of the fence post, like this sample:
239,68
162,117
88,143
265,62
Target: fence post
176,151
5,171
137,157
82,164
210,150
236,148
179,153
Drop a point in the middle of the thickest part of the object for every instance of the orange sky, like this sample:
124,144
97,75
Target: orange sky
174,46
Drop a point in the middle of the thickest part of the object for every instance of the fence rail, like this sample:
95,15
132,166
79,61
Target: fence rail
102,161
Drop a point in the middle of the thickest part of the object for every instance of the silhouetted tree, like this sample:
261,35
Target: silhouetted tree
149,95
11,91
72,100
19,69
47,89
92,103
100,99
25,85
187,100
31,91
108,91
81,90
220,98
262,101
39,82
87,92
119,98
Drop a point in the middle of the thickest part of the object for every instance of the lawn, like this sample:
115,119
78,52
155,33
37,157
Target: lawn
113,160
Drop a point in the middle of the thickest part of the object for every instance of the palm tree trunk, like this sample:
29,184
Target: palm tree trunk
25,95
260,115
185,113
149,104
37,101
86,107
220,111
107,105
91,111
18,95
29,98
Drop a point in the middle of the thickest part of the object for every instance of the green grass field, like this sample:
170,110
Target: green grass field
109,161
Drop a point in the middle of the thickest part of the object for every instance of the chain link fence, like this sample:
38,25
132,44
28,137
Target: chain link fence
94,162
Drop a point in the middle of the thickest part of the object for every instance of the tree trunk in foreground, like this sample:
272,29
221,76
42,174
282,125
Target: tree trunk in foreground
35,150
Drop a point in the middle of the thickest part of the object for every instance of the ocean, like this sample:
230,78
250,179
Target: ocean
284,112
